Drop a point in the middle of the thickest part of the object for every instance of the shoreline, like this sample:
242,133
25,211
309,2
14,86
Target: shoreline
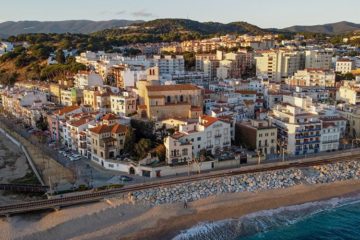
118,218
236,205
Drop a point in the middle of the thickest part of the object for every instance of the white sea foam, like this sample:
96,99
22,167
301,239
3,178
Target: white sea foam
261,221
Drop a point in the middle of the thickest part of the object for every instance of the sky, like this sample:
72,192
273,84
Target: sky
264,13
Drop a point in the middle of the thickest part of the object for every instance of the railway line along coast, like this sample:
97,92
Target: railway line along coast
341,167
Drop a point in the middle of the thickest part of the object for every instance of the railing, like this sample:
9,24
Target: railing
309,136
217,136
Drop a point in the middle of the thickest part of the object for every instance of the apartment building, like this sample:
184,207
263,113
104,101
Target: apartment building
345,66
318,59
330,136
87,79
257,135
123,104
349,92
201,58
75,137
311,77
55,120
299,129
169,64
127,76
279,64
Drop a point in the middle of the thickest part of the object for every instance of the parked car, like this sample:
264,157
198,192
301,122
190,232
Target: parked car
125,178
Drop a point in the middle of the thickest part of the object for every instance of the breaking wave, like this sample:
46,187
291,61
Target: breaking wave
261,221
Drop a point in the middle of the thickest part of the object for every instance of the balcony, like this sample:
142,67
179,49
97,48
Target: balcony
209,147
217,136
308,130
307,136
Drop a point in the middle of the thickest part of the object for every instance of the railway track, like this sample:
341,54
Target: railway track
98,196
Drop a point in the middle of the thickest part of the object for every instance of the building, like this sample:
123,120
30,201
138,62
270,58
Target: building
107,142
279,64
299,130
209,134
123,104
127,76
344,66
318,59
349,92
257,135
312,78
330,136
165,101
87,79
177,151
169,64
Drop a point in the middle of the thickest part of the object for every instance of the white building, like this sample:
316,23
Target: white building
330,136
87,79
298,128
168,64
318,59
122,104
344,66
280,64
209,134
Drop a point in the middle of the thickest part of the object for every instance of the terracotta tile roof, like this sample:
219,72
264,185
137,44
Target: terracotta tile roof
66,110
109,116
178,87
100,129
80,122
118,128
208,120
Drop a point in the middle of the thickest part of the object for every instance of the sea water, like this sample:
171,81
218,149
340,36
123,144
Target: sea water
335,219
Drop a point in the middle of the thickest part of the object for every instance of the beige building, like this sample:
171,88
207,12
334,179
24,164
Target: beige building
312,77
349,92
344,66
280,64
107,141
319,59
165,101
258,136
123,104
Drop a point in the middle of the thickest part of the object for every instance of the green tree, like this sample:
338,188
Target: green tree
142,148
59,56
129,141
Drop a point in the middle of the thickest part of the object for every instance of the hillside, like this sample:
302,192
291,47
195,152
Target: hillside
72,26
331,28
177,29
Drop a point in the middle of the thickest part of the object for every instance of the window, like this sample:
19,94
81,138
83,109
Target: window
185,152
208,134
199,138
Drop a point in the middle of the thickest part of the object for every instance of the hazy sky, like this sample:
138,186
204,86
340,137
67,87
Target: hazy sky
264,13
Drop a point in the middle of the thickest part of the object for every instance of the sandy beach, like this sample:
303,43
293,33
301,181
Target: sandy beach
117,218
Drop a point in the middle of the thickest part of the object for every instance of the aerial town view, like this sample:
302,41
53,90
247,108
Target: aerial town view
180,120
